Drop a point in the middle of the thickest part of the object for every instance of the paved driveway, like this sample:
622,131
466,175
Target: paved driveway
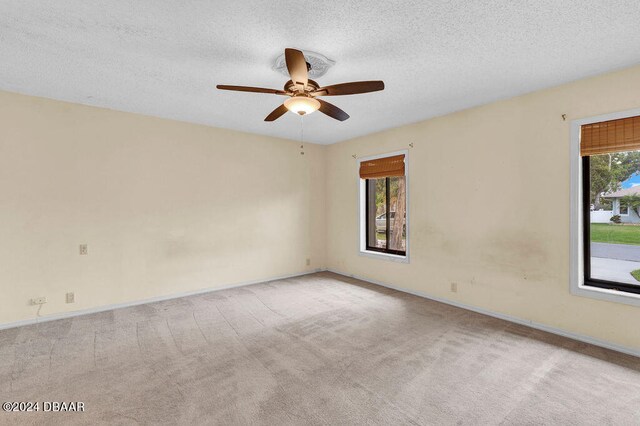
614,270
616,251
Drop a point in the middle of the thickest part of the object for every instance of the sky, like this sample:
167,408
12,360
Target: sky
634,180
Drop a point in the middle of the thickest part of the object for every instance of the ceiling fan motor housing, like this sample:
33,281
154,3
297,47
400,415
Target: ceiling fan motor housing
291,87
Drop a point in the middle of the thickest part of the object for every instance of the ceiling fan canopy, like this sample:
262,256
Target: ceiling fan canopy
304,93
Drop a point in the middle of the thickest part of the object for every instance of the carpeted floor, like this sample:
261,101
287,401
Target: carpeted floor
319,349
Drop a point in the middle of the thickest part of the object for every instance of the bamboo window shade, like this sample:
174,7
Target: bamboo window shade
610,136
382,167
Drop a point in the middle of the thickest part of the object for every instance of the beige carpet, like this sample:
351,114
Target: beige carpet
319,349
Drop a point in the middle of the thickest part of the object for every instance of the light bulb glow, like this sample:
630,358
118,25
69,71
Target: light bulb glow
302,104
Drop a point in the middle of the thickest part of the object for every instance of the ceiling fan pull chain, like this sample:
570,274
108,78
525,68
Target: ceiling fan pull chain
302,135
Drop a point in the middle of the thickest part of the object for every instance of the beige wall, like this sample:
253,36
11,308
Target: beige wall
489,207
165,207
169,207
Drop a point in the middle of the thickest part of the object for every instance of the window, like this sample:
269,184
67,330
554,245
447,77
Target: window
383,205
624,209
610,153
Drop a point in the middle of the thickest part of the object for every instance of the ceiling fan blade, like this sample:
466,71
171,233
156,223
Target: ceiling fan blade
332,110
250,89
297,66
276,113
353,88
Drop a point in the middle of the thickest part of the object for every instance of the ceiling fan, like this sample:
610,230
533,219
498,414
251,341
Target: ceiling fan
303,93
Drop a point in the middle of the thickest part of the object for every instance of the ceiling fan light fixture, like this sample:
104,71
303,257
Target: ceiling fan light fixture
302,105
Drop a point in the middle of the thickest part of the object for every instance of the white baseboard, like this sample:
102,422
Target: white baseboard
62,315
528,323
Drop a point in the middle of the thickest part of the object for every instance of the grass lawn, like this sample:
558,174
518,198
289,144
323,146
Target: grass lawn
615,234
636,274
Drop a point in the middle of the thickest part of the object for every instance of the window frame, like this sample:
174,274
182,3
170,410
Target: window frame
363,248
579,227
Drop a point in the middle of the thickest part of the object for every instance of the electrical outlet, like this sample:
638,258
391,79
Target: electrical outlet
39,301
454,287
71,297
308,262
84,249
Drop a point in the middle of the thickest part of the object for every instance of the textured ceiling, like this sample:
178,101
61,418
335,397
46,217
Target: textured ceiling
164,58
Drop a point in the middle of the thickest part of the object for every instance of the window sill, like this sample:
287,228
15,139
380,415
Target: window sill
606,294
384,256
